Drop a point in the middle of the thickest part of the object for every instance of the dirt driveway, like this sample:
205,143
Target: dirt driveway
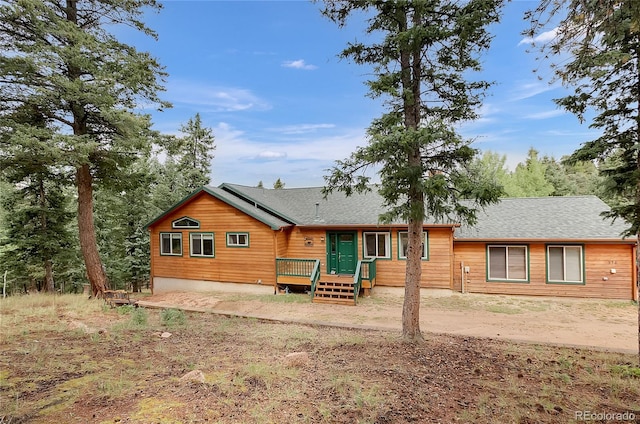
602,324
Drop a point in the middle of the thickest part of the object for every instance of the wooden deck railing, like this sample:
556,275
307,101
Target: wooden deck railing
365,270
298,272
306,272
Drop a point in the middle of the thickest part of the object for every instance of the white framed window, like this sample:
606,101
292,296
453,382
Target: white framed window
565,264
186,223
171,244
377,245
507,263
237,239
403,244
202,245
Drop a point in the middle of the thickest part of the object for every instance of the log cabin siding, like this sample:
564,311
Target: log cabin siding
230,264
310,243
599,260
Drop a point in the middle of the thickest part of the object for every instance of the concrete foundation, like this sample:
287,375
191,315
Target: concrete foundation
164,285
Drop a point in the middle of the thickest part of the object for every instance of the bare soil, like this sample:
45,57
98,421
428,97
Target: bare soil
70,360
593,323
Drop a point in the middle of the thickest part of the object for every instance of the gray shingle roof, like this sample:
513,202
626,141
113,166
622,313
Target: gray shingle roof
269,219
299,205
550,218
567,218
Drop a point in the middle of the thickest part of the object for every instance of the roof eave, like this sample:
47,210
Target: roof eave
547,240
372,226
274,226
174,207
227,187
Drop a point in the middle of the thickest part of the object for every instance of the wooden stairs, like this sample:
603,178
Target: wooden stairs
337,292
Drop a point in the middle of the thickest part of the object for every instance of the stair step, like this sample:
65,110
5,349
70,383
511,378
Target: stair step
333,284
335,301
334,289
336,292
334,295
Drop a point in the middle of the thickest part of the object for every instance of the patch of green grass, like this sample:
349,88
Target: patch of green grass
535,306
269,298
503,309
173,317
125,309
139,317
619,304
629,371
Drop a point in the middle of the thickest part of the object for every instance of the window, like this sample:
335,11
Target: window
565,264
185,222
171,244
237,239
376,245
403,244
202,244
507,263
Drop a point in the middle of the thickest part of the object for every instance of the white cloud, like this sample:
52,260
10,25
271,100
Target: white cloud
270,155
543,38
526,90
214,98
242,160
299,64
546,114
301,128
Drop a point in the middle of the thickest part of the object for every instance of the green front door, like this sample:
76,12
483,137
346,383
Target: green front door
341,253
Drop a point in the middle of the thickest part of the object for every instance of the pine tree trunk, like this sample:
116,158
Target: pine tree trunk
49,285
87,234
411,306
411,76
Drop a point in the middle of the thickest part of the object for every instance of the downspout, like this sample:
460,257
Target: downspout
452,260
634,274
275,262
151,256
462,277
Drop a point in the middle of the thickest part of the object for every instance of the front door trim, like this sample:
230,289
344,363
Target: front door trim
342,255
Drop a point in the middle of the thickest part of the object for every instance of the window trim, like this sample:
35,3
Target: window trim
242,246
172,234
526,280
387,244
425,249
583,263
213,243
185,227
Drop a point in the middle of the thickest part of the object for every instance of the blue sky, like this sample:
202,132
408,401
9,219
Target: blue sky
265,77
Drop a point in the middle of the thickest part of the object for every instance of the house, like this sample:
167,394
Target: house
335,246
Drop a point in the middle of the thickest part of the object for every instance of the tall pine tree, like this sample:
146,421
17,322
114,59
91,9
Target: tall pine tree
59,58
422,63
596,52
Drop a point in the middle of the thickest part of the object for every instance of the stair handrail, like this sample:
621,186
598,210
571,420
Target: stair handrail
315,276
371,270
357,282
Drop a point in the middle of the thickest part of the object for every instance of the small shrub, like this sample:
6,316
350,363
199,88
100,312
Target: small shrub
139,317
125,309
626,371
173,317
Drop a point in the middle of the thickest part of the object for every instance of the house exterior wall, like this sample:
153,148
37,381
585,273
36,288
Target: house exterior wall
253,264
310,243
599,261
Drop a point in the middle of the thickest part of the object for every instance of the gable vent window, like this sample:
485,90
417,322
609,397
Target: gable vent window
185,222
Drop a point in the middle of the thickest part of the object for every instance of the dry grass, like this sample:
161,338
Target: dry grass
69,359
